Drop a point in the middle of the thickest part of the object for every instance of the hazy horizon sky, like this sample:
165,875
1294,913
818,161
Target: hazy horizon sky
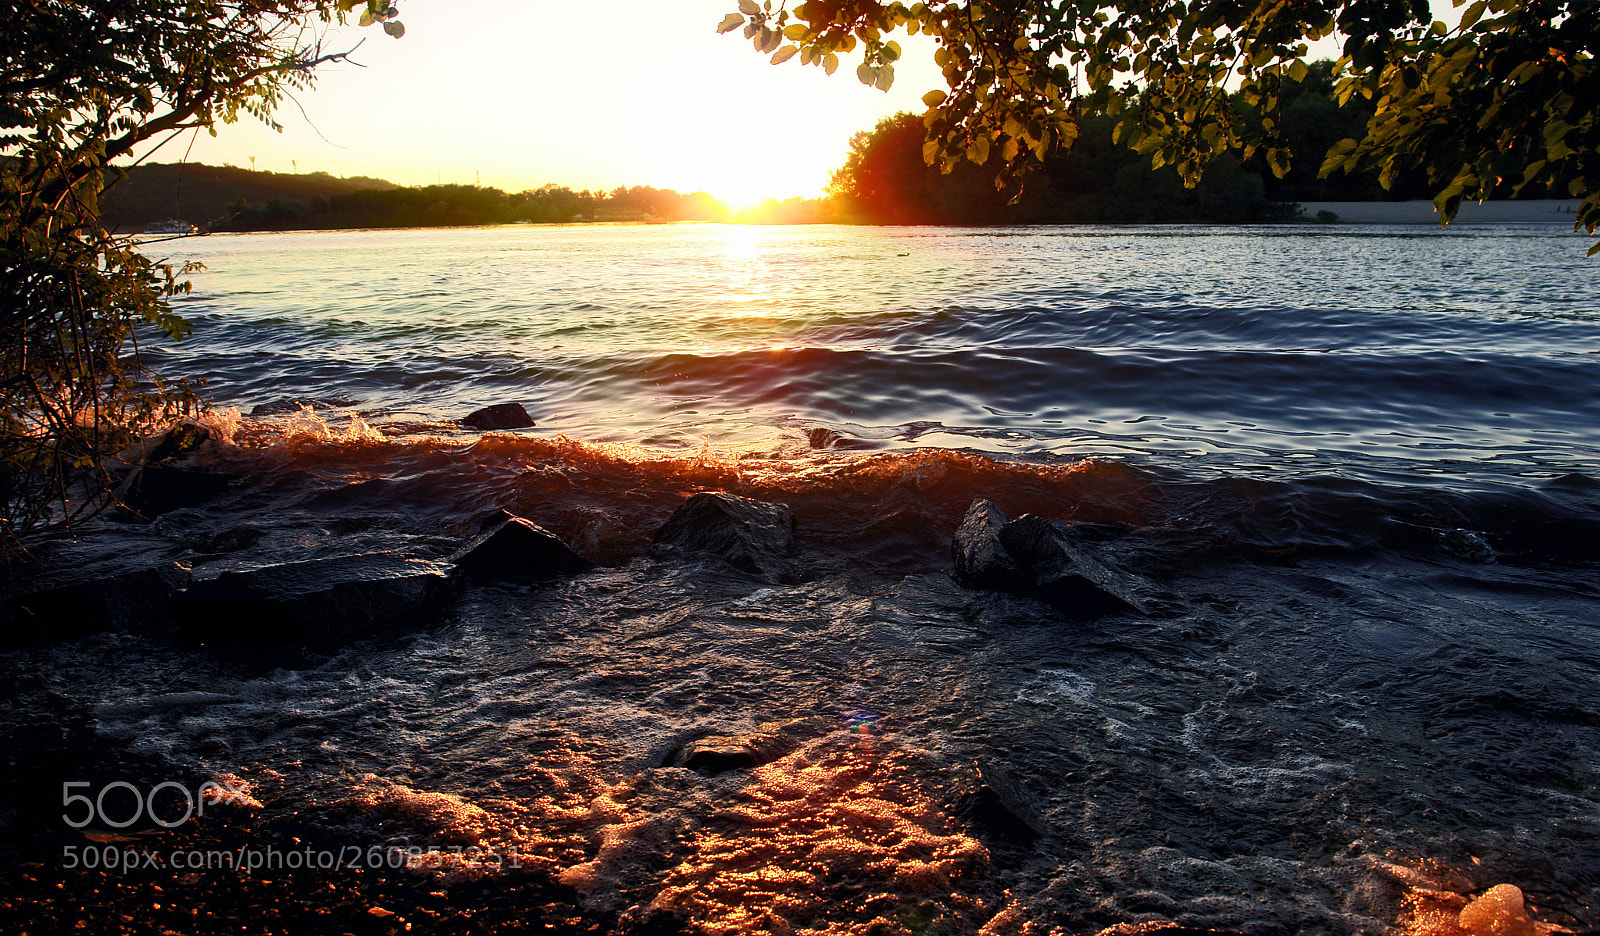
515,94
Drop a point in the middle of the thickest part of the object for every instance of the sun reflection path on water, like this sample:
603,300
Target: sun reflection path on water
742,282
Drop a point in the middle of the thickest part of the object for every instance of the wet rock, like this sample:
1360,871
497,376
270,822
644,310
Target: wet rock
513,549
750,535
1035,556
178,442
715,755
982,561
130,597
499,416
162,484
999,810
1066,573
320,600
230,540
652,921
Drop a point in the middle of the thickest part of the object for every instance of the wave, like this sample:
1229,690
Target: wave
893,511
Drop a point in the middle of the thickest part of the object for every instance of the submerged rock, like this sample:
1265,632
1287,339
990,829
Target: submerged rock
320,600
821,437
750,535
1035,556
499,416
715,755
999,810
512,549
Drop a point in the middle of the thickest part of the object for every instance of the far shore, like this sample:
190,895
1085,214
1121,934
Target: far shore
1554,210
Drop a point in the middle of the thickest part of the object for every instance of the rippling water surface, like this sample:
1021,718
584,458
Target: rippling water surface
1361,464
1358,349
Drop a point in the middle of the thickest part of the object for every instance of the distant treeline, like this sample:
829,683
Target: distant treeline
885,181
227,198
439,205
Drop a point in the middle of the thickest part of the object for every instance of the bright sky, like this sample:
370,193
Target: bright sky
518,93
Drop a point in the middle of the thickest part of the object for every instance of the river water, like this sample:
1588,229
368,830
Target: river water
1361,463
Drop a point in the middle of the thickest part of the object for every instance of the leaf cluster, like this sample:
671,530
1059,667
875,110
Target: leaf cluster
1507,94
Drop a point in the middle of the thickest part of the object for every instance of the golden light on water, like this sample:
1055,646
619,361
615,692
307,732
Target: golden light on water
1438,900
743,272
841,843
833,840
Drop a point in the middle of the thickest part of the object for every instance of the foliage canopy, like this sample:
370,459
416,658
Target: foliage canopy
1507,95
85,82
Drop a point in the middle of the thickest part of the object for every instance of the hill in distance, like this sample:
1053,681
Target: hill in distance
202,194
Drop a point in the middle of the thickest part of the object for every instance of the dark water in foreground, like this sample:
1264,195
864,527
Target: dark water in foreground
1362,464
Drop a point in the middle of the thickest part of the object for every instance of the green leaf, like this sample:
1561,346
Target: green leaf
1533,170
395,28
749,7
978,149
934,98
784,54
830,63
1277,162
866,73
885,78
1473,13
730,22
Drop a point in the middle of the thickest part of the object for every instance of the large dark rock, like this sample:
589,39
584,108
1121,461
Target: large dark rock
162,483
512,549
752,536
319,601
157,489
1034,556
125,597
1066,573
499,416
